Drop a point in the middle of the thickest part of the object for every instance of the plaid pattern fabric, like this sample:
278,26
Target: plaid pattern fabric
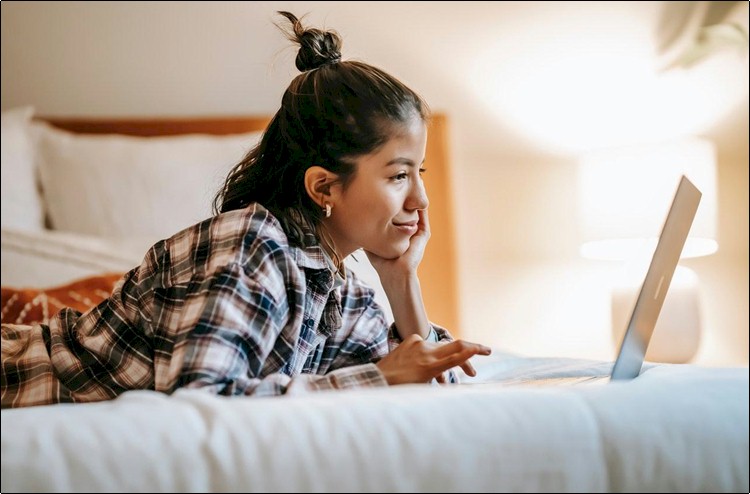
226,305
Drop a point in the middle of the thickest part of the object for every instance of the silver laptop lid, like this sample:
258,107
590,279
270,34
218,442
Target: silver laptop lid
654,289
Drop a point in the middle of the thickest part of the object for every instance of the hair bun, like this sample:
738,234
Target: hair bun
317,47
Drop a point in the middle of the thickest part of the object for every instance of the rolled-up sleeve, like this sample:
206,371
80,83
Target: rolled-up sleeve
436,334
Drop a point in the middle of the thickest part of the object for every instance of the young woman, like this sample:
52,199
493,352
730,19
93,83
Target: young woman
256,300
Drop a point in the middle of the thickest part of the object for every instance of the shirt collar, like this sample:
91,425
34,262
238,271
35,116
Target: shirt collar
339,278
314,257
311,256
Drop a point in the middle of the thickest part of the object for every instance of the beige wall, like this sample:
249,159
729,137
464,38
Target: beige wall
527,86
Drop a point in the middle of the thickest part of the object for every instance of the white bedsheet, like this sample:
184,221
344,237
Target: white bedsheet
47,258
676,428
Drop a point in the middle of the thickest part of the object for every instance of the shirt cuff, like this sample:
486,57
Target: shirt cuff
358,376
437,332
432,335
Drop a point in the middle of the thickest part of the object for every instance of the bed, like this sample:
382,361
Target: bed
675,428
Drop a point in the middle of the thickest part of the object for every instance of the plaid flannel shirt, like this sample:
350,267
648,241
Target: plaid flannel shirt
226,305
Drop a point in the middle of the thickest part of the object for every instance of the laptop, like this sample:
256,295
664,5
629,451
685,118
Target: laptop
653,292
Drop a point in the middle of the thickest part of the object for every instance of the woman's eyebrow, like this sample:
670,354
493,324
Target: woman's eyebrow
402,161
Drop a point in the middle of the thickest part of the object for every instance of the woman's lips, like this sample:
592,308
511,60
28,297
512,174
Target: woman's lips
407,228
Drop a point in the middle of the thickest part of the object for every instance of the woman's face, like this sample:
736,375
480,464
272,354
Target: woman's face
378,210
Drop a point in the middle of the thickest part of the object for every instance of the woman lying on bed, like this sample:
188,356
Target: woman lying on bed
256,299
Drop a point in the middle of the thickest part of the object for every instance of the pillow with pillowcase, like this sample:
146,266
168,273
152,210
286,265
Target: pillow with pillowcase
119,186
22,206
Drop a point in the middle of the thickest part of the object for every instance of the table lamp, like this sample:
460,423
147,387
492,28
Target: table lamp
624,197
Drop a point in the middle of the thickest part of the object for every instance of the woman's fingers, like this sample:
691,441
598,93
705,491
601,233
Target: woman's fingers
424,220
469,369
456,359
417,360
455,354
458,346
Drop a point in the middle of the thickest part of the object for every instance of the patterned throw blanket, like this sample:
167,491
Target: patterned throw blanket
37,305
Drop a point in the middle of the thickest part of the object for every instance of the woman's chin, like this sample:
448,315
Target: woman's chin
392,251
399,249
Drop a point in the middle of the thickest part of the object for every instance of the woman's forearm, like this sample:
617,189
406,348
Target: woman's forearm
405,297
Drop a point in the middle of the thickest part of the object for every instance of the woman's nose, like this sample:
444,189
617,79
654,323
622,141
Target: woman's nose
418,197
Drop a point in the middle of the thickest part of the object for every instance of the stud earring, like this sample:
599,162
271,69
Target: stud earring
327,209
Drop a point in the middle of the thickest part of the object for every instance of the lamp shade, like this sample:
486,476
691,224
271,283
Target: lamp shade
625,194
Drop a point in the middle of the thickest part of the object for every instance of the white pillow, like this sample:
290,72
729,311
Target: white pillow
121,186
22,206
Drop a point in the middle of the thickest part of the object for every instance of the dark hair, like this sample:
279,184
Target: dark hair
331,113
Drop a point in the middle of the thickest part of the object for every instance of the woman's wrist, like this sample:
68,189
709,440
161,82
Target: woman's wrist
398,281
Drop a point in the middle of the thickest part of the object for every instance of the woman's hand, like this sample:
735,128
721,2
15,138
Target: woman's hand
407,263
418,361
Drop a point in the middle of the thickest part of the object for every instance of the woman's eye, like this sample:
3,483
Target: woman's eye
404,175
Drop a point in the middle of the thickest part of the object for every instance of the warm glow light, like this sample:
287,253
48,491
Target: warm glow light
625,194
571,93
622,248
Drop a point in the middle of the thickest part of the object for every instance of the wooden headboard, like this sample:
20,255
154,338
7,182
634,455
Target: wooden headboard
437,273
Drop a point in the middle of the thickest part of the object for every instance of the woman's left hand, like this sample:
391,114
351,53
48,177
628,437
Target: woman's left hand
407,263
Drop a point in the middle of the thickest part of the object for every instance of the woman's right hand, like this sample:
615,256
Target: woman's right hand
418,361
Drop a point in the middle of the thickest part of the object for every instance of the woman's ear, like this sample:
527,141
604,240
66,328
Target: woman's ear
318,183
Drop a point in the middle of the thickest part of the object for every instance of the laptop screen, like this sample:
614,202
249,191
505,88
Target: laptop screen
658,278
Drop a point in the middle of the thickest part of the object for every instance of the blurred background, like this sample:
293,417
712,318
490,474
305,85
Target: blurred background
531,89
